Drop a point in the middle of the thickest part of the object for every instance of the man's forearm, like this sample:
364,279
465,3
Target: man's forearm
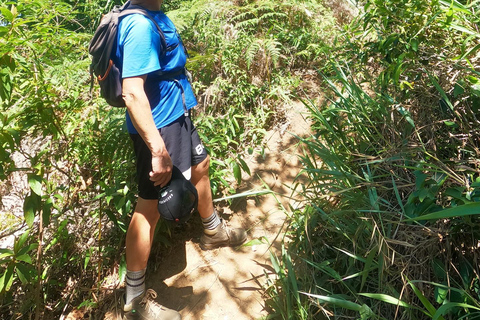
140,113
142,120
139,110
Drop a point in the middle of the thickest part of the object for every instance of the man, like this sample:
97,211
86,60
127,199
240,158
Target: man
163,135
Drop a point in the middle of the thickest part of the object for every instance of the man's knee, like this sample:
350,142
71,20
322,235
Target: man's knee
147,209
200,170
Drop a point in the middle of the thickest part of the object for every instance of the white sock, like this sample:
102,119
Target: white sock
211,222
135,284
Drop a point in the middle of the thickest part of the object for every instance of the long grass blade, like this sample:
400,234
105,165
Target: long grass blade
442,92
460,211
354,256
450,305
336,301
430,308
386,298
244,194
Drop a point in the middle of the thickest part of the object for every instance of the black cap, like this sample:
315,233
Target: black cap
178,199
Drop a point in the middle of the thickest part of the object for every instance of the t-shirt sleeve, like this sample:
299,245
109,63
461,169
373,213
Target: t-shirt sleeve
141,43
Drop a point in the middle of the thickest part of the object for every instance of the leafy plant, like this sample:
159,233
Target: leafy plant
285,297
18,263
48,141
389,190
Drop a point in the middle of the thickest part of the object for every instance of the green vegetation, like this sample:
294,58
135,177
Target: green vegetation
389,229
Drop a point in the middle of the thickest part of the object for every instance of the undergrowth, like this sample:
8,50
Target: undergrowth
390,224
65,156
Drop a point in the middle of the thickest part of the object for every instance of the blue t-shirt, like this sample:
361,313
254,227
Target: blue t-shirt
137,54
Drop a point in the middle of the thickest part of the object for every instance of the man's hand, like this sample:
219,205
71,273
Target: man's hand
161,169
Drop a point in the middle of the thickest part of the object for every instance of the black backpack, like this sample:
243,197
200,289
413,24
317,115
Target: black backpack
101,46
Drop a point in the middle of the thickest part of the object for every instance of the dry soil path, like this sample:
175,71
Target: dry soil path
227,283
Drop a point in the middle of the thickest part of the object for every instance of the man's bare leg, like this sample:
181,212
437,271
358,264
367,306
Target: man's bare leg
201,181
138,245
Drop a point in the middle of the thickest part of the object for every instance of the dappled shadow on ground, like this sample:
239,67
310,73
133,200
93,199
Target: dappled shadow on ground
228,283
213,284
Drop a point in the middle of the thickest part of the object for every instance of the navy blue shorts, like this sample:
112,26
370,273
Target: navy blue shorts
182,143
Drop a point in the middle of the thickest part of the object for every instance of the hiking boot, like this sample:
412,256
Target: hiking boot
222,236
144,307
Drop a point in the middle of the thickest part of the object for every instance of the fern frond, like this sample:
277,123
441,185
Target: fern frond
272,49
206,13
273,16
244,16
247,24
252,51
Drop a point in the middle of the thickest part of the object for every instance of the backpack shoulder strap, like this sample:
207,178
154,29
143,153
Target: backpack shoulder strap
128,8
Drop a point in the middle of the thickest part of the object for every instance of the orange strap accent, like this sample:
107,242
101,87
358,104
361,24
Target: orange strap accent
110,64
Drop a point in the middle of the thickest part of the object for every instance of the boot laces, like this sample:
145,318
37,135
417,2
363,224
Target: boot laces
149,304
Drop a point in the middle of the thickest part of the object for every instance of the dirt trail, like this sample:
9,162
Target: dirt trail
226,283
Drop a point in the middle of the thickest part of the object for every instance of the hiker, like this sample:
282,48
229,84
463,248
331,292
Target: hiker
163,135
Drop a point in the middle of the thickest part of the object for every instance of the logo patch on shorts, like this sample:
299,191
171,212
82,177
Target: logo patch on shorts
199,149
